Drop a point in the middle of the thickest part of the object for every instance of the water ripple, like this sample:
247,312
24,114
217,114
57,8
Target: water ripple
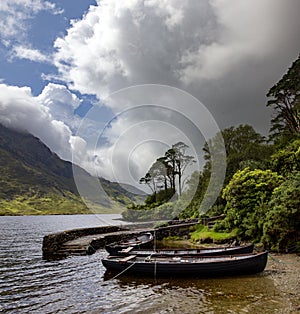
29,284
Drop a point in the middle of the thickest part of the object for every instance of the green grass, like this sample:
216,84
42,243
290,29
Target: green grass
203,234
52,204
35,181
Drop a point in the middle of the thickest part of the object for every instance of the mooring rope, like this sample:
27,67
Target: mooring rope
154,235
122,272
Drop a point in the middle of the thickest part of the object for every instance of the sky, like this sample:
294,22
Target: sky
111,84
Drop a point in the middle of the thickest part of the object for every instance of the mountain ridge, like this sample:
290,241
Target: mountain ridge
34,180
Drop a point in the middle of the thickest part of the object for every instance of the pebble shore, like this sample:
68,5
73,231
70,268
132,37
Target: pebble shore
284,269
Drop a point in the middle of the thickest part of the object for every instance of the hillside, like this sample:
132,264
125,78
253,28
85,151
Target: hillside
34,180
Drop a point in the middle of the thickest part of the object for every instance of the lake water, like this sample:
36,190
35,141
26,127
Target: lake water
29,284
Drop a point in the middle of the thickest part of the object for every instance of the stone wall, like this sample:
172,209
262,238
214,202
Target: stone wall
52,242
180,229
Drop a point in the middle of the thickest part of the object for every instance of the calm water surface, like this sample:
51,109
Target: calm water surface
29,284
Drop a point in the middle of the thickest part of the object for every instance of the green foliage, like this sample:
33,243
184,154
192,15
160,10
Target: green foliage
263,204
244,148
203,235
287,159
163,172
173,238
50,203
159,197
165,211
286,103
247,194
281,229
197,185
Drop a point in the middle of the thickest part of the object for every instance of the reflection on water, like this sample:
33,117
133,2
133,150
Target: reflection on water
243,294
28,284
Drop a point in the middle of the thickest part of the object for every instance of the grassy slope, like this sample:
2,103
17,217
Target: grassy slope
202,234
34,181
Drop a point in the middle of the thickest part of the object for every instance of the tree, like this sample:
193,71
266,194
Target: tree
178,160
282,224
197,186
286,103
244,147
170,161
149,181
247,195
287,159
166,173
162,174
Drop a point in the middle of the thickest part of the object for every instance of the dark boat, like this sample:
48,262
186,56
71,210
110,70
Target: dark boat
139,241
229,250
228,265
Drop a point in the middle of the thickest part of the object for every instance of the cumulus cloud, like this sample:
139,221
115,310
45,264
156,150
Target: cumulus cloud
19,109
120,44
60,103
149,120
219,51
14,15
225,53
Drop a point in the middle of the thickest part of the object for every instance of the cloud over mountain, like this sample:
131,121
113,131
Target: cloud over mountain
22,111
227,54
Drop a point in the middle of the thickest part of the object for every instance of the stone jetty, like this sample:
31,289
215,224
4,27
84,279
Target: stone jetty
87,240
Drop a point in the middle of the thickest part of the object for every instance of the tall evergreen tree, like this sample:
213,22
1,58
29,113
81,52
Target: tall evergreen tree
284,99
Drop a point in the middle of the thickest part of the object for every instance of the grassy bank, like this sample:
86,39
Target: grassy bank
52,204
203,235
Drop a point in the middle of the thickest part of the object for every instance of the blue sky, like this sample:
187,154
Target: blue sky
64,66
40,31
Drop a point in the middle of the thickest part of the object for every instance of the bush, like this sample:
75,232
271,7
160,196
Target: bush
281,230
247,195
287,160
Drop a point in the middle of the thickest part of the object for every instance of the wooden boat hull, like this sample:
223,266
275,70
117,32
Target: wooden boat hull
196,267
186,252
140,241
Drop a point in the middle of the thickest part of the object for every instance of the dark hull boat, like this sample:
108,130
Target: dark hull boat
188,266
186,252
139,241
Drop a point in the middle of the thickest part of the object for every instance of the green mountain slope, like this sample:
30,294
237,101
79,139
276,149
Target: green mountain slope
34,180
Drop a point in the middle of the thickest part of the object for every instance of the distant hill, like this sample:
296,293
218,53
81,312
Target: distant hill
35,180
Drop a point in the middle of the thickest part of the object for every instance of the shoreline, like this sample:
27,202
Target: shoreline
284,270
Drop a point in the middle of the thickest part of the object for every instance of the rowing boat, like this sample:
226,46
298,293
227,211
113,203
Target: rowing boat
138,241
213,251
196,266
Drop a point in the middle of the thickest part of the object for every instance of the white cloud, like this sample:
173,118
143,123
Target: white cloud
226,53
149,120
14,15
220,51
35,55
60,103
21,110
247,31
118,44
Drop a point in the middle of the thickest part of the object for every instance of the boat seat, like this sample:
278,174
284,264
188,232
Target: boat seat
127,258
128,249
